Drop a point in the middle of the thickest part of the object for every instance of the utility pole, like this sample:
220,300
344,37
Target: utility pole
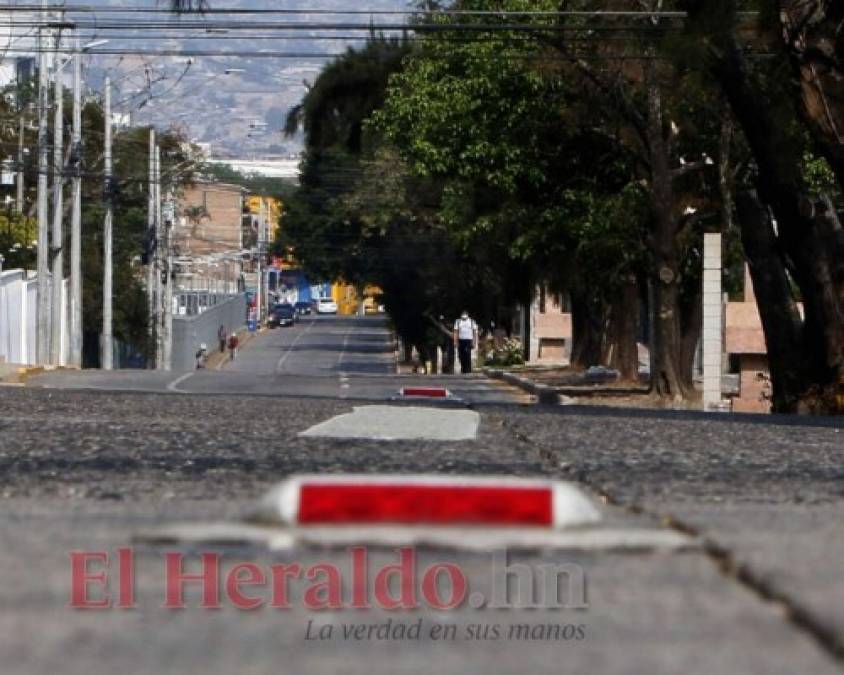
159,262
19,177
43,312
265,242
76,215
168,288
106,346
259,299
152,246
57,238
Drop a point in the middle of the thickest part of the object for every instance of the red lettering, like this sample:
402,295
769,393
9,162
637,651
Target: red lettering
176,579
234,581
359,579
431,591
325,594
405,569
280,574
126,591
80,578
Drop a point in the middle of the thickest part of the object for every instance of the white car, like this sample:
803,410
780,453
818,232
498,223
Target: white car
326,306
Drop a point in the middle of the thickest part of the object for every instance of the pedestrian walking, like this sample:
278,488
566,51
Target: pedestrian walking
233,342
465,340
221,336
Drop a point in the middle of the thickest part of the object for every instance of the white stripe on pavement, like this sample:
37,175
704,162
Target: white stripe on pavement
173,386
290,347
630,540
389,423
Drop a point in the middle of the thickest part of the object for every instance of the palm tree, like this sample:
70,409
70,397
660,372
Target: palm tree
335,108
195,215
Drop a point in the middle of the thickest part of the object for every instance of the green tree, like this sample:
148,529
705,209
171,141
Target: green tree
806,247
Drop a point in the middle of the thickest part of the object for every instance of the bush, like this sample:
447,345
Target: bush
508,353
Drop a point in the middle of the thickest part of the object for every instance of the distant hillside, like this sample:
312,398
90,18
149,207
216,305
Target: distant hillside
240,113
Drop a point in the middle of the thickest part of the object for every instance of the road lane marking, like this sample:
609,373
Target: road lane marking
585,539
343,349
173,386
291,346
384,422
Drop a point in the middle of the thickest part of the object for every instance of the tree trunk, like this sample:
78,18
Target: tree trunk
692,326
780,319
623,330
586,332
809,234
667,377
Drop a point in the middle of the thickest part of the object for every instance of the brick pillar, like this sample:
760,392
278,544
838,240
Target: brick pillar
713,329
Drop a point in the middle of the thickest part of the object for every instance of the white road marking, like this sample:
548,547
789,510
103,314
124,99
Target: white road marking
290,348
343,350
632,539
384,422
173,386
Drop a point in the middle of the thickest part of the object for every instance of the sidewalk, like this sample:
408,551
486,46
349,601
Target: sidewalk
596,386
16,374
218,360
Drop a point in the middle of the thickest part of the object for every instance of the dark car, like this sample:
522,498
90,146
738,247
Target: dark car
303,307
283,314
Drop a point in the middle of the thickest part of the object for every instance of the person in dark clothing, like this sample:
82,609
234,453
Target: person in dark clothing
221,336
201,356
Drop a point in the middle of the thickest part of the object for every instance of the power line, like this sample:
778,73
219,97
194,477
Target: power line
367,28
80,9
272,54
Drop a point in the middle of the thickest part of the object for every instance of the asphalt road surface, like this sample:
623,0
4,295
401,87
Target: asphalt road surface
87,460
323,356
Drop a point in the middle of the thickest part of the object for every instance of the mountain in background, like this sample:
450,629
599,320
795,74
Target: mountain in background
240,113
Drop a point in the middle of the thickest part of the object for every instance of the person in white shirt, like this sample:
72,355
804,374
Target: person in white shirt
465,339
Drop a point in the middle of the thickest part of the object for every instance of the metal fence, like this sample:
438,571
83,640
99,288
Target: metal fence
192,330
191,303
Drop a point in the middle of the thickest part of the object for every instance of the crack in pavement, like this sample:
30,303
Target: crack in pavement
725,560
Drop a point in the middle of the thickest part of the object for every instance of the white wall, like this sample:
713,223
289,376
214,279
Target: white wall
18,304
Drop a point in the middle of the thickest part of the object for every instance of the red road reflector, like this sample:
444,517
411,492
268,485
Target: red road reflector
428,392
427,500
429,504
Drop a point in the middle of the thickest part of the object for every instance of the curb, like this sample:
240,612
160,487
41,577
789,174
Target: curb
545,394
22,374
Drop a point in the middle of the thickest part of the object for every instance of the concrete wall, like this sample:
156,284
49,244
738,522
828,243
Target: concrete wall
551,330
18,315
191,331
754,385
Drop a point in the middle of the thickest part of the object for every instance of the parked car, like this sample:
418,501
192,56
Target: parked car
283,314
326,306
303,307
